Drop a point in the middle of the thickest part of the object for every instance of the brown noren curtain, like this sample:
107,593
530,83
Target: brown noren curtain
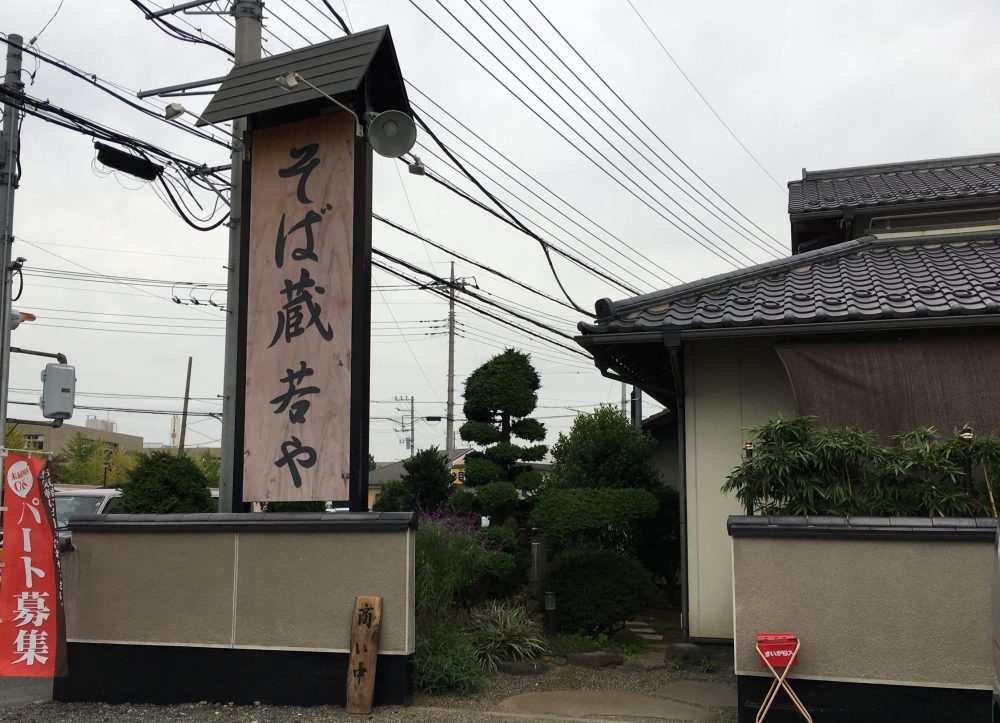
892,384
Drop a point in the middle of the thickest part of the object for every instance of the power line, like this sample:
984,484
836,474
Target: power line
613,133
718,213
529,190
700,95
694,235
644,124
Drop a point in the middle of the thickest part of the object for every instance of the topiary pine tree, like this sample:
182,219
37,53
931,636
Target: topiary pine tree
499,397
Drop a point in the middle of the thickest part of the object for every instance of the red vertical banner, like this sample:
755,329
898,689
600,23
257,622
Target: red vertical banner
32,622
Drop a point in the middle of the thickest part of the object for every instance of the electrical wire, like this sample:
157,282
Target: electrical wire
678,224
628,107
700,95
615,132
175,32
482,142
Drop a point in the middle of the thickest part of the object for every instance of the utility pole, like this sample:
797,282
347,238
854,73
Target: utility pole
454,284
9,146
248,14
449,441
624,399
637,407
184,411
413,431
411,439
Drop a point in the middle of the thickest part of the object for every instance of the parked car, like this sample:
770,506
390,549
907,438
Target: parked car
72,500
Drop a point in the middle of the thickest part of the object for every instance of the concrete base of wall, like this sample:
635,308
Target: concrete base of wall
180,674
836,702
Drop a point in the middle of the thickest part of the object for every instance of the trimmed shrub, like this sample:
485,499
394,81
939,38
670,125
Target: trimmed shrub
461,502
497,499
605,517
598,590
445,660
501,630
162,483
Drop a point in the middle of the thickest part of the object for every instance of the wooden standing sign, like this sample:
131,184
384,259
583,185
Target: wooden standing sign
364,654
299,311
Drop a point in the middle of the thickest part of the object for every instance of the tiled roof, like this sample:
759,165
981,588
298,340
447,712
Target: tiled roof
864,279
892,184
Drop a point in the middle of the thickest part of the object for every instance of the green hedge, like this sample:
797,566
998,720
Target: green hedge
565,515
598,590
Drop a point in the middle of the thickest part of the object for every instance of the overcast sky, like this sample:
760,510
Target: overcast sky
805,84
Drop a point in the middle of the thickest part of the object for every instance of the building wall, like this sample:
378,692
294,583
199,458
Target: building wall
255,589
869,610
53,439
730,385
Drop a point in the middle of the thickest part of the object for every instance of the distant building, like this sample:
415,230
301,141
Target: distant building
52,439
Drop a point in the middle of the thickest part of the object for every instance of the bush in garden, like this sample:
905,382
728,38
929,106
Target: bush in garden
597,590
445,660
394,496
798,468
461,502
659,539
162,483
497,499
451,561
501,630
605,517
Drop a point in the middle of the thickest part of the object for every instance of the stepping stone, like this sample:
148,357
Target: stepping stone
593,703
594,659
646,636
641,630
646,661
703,693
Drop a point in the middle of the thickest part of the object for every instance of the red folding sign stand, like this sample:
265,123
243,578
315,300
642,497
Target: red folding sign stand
779,650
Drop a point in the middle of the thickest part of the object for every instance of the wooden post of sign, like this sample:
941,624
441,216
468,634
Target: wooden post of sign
365,625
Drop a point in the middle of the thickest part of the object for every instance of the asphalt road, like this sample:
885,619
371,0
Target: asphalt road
17,691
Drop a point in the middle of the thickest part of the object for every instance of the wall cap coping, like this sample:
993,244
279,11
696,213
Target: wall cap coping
952,529
249,522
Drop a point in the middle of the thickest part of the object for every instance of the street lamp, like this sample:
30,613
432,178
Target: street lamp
291,80
967,434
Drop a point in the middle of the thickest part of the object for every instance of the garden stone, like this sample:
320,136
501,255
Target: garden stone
559,660
523,667
685,653
594,659
646,661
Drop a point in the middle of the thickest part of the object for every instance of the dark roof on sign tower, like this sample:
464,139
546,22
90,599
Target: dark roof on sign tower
937,179
361,67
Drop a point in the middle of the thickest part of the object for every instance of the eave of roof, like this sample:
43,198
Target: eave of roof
866,280
894,184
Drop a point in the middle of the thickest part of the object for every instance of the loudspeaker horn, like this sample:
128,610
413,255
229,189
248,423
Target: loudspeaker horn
392,133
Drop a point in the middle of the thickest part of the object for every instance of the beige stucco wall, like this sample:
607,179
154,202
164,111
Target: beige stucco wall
282,590
729,385
899,612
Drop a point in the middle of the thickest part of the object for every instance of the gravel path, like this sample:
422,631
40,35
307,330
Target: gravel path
479,707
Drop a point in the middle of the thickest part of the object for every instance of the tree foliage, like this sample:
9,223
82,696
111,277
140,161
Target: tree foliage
14,439
798,468
119,466
605,517
499,397
604,449
163,483
598,590
211,467
81,461
426,482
